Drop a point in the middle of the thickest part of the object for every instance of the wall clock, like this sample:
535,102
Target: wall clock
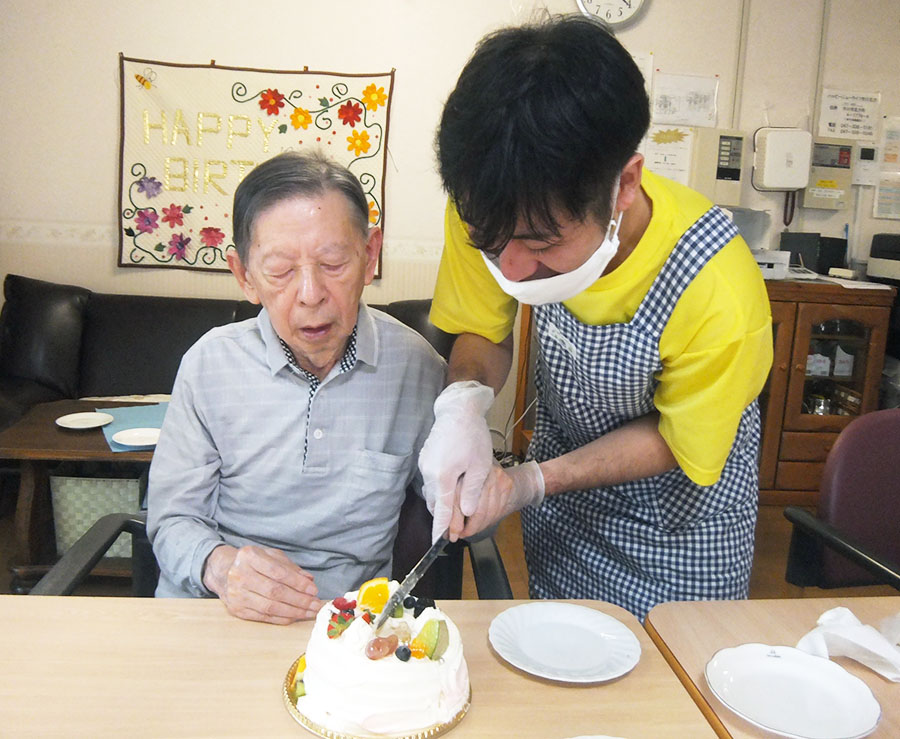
617,13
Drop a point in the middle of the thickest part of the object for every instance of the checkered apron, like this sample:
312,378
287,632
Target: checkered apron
656,539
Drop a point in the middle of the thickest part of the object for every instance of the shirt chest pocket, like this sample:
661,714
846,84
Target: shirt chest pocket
376,489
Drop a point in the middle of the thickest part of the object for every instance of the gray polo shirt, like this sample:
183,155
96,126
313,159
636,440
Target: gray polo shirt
252,452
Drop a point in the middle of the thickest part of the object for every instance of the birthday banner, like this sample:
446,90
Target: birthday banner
191,133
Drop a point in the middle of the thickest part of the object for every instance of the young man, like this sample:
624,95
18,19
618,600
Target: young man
651,316
291,438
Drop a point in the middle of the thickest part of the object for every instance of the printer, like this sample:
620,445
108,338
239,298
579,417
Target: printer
884,266
884,257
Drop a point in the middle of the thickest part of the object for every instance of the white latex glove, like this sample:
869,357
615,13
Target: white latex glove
506,490
459,446
528,485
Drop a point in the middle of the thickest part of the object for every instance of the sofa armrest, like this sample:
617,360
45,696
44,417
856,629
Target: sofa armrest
40,332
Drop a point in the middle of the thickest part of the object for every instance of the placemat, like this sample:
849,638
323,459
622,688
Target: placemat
132,417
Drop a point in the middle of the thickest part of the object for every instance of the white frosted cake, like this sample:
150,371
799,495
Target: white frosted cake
409,677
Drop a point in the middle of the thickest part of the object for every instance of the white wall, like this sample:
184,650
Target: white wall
59,104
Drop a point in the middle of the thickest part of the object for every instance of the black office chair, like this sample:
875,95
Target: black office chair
442,581
854,538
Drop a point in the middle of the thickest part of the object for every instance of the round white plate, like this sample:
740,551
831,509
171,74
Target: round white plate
792,693
136,437
563,641
84,420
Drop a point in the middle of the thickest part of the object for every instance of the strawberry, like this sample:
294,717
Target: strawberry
342,604
338,624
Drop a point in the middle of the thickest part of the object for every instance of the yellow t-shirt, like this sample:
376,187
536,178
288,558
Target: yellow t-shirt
716,349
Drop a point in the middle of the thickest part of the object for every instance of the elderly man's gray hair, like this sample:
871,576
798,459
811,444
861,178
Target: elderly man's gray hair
292,175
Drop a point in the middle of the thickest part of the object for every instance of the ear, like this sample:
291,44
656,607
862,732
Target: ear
630,182
373,249
241,275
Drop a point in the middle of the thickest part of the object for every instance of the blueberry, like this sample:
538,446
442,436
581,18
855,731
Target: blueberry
409,601
402,652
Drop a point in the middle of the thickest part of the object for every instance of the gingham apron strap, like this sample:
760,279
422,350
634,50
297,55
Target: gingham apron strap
694,249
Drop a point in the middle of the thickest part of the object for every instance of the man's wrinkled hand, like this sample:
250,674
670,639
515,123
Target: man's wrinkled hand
261,584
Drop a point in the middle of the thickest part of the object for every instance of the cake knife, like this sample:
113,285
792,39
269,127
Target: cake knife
415,574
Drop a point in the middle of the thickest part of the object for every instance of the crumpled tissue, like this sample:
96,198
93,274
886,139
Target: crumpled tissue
841,634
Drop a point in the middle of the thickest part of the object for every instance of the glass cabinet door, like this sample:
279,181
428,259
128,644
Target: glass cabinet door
832,378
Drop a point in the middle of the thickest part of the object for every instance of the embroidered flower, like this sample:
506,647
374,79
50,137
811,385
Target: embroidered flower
373,212
271,101
147,221
350,113
358,142
300,118
211,236
150,186
178,245
173,215
373,97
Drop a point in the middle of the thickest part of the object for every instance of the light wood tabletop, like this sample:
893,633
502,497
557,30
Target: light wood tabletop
79,666
690,633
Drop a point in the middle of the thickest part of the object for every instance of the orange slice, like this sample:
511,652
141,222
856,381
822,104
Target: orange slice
373,594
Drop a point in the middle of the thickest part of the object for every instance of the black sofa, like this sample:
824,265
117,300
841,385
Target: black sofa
62,341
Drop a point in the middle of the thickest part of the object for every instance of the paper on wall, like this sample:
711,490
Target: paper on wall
684,99
667,151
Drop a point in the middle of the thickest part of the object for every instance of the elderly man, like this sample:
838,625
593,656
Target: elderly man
291,438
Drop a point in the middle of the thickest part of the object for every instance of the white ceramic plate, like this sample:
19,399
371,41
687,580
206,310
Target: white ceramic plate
136,437
563,641
84,420
792,693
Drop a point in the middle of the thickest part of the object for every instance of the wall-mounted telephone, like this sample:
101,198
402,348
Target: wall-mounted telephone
830,175
718,163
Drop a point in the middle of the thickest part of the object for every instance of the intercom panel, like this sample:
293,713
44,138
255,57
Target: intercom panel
718,164
830,174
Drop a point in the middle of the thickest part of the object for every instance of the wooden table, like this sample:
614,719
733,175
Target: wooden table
38,443
80,666
689,633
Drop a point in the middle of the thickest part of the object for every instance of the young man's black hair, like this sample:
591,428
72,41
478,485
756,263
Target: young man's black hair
543,117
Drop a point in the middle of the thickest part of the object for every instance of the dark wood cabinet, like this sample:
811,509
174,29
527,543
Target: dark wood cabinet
829,352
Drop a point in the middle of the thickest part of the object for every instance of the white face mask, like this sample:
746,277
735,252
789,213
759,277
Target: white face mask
567,285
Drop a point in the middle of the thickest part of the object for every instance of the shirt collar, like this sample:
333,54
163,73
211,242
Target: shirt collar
366,337
364,348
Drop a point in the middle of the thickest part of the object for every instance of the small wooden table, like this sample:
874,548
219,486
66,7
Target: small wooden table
79,666
689,633
38,443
